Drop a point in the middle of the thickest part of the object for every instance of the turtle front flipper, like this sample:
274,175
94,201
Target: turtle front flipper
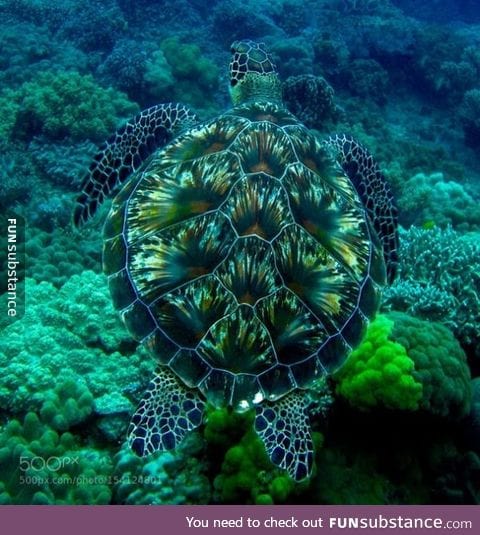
167,412
284,427
375,193
125,151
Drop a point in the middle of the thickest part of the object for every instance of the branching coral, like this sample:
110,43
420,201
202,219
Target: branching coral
444,265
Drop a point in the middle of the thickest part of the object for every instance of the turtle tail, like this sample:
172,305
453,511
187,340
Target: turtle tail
125,151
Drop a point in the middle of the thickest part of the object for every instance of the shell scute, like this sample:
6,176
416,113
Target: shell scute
247,252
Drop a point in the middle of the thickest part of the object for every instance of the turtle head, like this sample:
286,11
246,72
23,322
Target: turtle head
253,75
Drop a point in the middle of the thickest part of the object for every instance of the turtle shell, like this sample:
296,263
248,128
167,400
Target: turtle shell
243,258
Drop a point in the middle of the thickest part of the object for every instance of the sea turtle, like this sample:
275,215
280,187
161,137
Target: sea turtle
246,254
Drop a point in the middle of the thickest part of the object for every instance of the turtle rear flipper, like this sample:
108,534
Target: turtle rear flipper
125,151
167,412
284,428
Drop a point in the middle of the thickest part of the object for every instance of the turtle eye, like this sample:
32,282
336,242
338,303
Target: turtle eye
233,83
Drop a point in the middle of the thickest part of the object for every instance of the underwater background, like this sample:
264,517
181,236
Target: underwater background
401,422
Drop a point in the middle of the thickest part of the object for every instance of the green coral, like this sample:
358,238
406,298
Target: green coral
69,403
440,365
434,198
65,334
61,104
407,363
41,466
379,372
54,257
246,474
172,477
195,76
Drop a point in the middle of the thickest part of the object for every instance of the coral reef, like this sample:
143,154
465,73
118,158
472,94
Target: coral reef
293,56
94,25
232,21
469,117
367,78
246,474
405,86
409,364
311,99
56,256
433,198
196,76
61,164
175,477
379,372
61,104
125,67
41,466
439,279
65,334
17,182
440,365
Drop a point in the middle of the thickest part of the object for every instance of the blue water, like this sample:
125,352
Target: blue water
401,76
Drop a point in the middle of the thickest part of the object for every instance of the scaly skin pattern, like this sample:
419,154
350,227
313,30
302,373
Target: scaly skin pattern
125,151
